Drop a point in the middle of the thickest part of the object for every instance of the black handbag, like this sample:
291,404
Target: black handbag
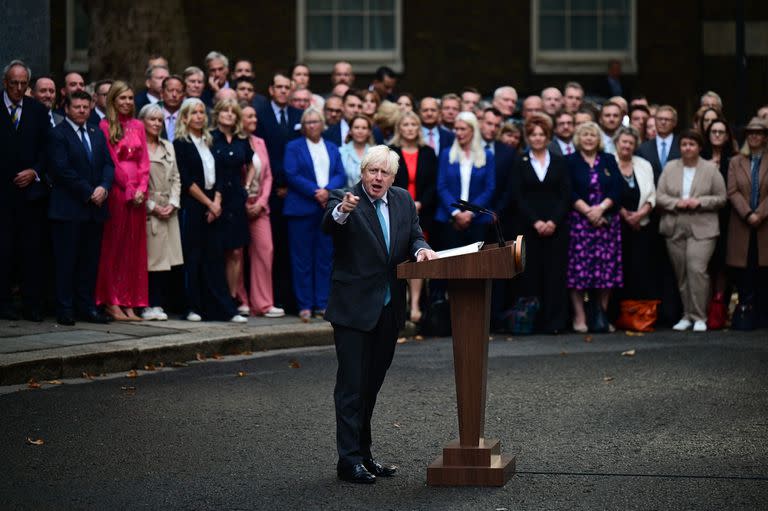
597,319
744,315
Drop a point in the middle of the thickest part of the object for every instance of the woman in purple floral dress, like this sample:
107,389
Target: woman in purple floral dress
594,251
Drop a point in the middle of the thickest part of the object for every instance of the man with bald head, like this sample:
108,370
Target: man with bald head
72,82
45,92
342,73
532,105
505,101
553,100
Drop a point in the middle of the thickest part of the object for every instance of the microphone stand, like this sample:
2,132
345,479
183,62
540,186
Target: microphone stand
474,208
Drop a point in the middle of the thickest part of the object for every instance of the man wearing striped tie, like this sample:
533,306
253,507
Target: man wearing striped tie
374,228
24,123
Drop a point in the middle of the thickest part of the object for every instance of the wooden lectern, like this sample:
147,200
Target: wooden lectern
472,460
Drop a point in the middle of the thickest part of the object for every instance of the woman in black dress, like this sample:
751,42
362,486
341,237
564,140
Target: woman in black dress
543,195
234,172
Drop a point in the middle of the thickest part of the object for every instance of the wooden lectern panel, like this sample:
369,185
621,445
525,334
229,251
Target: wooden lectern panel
492,262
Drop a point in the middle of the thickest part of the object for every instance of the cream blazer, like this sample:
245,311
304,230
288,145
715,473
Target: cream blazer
163,236
708,186
644,177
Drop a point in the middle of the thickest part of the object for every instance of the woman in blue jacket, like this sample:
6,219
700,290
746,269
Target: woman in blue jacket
312,168
465,171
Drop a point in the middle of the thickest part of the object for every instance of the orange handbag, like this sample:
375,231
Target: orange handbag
637,315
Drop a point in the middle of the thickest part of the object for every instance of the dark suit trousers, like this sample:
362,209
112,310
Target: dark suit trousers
21,241
77,246
363,358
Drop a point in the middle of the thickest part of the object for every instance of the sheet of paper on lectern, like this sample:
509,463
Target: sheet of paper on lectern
466,249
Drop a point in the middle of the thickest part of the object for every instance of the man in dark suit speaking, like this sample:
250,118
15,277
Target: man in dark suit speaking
374,228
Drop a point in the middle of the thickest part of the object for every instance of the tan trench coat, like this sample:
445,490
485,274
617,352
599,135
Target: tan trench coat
163,236
739,192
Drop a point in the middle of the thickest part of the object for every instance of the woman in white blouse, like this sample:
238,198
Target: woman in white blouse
312,169
690,192
358,141
206,286
638,198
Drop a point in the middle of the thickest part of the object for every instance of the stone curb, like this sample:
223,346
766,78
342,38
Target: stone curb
122,355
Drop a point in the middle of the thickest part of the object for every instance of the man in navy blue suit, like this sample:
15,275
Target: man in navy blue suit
350,107
437,137
24,124
279,123
81,170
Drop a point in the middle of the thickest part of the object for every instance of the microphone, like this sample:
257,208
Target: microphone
474,208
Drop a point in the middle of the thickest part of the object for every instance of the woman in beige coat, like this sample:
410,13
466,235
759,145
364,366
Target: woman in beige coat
689,193
163,201
747,249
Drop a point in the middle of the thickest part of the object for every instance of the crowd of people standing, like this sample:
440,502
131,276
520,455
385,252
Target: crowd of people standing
202,196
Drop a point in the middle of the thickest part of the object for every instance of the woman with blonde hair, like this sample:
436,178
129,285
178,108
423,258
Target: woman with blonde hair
201,199
417,173
234,172
163,202
385,119
122,283
594,250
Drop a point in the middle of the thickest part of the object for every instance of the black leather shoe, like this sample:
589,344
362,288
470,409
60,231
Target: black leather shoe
33,315
8,313
379,469
356,474
94,316
65,319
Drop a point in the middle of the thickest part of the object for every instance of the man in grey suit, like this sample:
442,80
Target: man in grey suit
374,228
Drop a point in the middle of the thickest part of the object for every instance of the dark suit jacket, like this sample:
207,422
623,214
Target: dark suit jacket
74,176
648,151
333,134
269,130
57,118
139,101
426,181
95,119
542,200
301,180
504,159
23,148
361,265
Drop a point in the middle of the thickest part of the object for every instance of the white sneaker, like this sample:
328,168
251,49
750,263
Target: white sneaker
683,324
160,314
149,314
274,312
194,316
237,318
244,310
699,326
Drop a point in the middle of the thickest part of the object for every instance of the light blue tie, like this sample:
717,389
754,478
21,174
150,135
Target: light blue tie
664,154
385,231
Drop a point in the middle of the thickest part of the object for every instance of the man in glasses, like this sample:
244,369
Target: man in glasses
374,228
665,147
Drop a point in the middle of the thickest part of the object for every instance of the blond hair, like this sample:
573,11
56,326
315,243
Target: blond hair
592,127
182,127
476,150
113,122
397,139
234,106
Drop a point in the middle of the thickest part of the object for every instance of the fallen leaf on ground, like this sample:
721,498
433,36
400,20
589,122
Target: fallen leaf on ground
628,353
32,384
200,356
150,367
37,441
87,375
129,388
418,337
179,364
587,338
563,353
401,340
632,333
132,373
247,353
509,338
54,382
216,356
294,364
241,374
607,379
396,424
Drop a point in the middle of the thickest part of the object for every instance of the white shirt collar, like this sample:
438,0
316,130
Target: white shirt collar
385,199
667,139
9,103
75,126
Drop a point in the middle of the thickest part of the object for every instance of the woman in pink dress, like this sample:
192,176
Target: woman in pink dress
260,249
122,280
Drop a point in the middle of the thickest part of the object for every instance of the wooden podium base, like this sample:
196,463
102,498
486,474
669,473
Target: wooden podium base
483,465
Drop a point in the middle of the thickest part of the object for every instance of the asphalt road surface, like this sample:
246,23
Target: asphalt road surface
682,424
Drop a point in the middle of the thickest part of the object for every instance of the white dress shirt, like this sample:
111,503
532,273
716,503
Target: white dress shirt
209,163
538,168
668,139
465,173
435,137
344,125
341,218
77,132
9,104
320,161
688,174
